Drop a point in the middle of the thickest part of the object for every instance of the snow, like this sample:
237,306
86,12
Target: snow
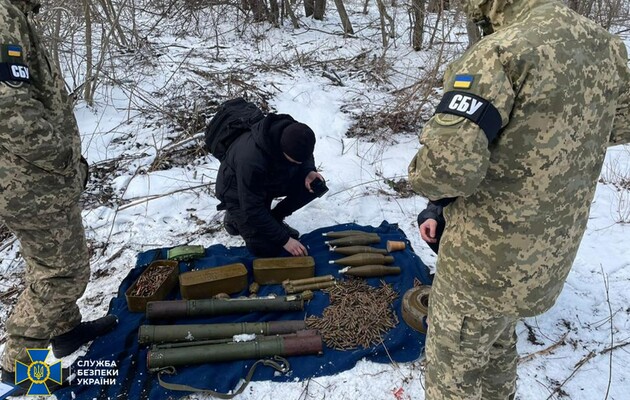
158,207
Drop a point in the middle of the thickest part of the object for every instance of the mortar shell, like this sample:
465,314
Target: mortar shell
355,240
351,250
357,260
342,234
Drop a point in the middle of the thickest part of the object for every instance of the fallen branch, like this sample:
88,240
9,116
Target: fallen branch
138,201
544,351
579,365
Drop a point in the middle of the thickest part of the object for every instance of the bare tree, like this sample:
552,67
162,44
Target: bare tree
320,9
386,31
345,21
416,13
316,8
258,8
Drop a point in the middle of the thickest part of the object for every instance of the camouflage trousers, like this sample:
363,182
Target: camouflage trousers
469,356
57,272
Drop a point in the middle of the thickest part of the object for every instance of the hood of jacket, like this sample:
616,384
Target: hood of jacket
492,15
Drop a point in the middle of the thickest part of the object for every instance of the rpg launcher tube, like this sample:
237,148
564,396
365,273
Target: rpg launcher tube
292,345
357,240
350,250
341,234
187,333
364,259
368,271
211,307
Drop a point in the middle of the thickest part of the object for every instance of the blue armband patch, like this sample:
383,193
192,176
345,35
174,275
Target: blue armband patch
472,107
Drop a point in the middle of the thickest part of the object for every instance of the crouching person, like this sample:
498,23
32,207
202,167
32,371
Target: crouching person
273,159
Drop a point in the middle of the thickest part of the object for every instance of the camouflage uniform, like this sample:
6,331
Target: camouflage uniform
41,178
555,87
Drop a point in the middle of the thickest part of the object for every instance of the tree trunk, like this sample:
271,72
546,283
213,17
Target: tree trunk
417,18
309,7
113,19
345,21
435,6
88,93
274,12
382,10
320,8
289,10
258,7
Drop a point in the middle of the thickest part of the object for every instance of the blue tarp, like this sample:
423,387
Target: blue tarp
134,381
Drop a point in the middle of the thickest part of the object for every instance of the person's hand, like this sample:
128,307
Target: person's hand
427,231
295,248
310,178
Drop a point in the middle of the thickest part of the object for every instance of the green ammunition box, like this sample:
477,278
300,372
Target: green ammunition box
136,302
184,253
269,271
205,283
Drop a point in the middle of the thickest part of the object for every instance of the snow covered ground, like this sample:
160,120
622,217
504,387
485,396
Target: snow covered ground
145,195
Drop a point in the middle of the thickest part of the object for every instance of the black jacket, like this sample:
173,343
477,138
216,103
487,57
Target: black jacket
434,211
254,172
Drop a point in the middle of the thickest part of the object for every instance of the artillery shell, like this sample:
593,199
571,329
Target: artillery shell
357,260
342,234
355,240
351,250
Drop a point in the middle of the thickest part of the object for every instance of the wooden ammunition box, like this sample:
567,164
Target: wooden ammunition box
205,283
138,303
269,271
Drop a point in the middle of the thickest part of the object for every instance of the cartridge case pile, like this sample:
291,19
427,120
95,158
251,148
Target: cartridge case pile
359,315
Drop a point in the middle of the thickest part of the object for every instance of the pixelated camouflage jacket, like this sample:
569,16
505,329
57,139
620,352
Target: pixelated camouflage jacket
40,146
561,86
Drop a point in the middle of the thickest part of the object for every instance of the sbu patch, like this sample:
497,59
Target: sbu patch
13,71
14,74
472,107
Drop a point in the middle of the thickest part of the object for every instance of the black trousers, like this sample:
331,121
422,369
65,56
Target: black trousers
297,196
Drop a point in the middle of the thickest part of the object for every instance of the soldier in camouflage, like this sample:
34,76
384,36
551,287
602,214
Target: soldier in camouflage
42,175
519,139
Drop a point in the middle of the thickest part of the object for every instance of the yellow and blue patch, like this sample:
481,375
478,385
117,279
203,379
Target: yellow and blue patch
14,50
463,81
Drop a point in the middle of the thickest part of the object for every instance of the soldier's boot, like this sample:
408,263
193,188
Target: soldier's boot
83,333
230,226
24,386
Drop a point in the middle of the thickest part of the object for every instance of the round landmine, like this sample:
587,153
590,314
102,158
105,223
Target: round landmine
415,307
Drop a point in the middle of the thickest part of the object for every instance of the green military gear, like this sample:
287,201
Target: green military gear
561,87
40,146
524,199
41,179
470,356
